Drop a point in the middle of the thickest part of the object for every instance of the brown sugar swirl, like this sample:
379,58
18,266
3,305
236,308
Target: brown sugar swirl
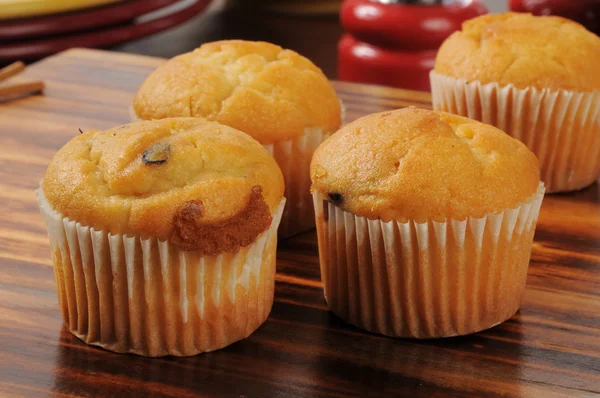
225,236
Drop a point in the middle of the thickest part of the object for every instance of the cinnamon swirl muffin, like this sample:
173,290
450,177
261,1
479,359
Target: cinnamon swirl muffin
163,235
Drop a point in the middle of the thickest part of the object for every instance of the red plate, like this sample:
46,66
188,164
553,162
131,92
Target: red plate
89,19
99,38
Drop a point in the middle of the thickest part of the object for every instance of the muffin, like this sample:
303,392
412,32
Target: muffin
277,96
425,222
533,77
163,235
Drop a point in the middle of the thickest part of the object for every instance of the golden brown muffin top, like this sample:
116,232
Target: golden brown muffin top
202,185
419,164
523,50
259,88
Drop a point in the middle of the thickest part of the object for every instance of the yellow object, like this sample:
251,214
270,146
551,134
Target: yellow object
11,9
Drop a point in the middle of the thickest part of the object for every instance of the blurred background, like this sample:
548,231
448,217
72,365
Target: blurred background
314,29
389,42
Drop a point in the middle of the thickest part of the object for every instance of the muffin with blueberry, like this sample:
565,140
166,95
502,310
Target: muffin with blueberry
425,222
163,235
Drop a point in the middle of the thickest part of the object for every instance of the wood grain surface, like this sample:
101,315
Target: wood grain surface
550,348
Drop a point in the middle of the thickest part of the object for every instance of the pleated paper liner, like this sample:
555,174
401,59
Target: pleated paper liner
293,157
140,295
560,127
435,279
132,115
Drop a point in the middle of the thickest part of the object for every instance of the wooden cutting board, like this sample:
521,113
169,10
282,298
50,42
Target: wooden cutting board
550,348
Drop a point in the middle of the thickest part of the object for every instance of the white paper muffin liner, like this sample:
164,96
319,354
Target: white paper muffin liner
425,280
561,127
140,295
293,157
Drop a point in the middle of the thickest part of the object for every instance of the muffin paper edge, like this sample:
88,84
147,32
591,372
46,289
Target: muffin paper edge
428,280
140,295
559,127
293,157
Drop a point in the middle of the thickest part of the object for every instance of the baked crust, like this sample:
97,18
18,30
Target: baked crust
523,50
419,165
259,88
140,178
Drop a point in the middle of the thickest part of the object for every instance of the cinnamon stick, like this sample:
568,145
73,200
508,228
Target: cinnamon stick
19,89
11,70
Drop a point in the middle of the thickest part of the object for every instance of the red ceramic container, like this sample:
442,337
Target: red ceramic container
394,42
586,12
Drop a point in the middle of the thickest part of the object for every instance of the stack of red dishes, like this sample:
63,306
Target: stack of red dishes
114,23
394,42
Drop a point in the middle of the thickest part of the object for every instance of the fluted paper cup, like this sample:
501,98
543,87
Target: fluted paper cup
425,280
293,157
139,295
562,128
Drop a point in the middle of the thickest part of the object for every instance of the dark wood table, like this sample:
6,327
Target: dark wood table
550,348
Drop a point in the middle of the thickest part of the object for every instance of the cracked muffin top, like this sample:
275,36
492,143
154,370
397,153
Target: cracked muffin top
418,164
259,88
202,185
523,50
